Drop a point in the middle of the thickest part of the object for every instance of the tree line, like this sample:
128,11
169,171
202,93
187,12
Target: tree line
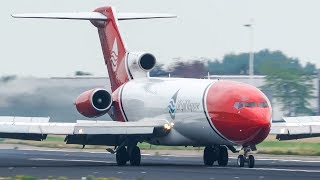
287,80
232,64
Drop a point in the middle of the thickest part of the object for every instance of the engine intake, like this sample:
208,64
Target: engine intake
94,103
147,62
140,64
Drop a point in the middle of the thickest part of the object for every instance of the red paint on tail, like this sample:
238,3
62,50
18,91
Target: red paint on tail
113,48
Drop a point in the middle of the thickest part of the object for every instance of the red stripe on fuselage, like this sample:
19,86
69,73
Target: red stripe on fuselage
119,114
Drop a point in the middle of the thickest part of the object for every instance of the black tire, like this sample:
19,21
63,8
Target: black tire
240,161
135,156
251,161
208,156
223,156
122,156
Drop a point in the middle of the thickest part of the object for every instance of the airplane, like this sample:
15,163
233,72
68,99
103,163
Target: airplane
215,114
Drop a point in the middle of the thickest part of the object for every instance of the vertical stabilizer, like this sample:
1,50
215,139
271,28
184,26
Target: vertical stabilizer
113,47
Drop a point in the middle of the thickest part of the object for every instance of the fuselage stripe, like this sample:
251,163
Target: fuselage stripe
122,110
206,112
127,66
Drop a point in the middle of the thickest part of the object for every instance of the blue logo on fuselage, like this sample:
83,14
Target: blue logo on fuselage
172,105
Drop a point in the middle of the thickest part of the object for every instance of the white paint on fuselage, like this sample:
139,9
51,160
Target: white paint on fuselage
150,98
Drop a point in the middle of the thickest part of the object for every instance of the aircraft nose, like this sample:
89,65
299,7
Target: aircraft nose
255,126
245,125
246,128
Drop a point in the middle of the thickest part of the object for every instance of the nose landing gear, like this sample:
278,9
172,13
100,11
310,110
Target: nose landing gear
245,158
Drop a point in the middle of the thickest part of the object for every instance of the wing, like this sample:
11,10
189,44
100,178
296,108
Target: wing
296,127
82,132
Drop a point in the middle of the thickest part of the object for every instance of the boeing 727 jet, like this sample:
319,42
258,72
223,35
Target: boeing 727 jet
215,114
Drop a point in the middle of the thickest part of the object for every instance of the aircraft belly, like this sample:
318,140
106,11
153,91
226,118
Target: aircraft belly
178,101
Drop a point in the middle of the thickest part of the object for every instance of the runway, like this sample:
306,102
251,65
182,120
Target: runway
44,163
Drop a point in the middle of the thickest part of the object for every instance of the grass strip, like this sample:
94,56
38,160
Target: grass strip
269,146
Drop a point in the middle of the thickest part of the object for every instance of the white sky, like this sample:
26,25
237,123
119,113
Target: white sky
205,28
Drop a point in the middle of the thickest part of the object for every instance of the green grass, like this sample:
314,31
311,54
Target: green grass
58,142
55,138
289,148
146,146
270,146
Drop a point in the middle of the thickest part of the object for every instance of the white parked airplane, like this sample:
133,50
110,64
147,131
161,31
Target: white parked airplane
215,114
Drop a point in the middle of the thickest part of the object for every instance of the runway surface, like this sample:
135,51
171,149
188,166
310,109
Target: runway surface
44,163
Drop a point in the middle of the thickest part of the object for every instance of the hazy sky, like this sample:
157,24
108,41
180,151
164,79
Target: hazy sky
205,28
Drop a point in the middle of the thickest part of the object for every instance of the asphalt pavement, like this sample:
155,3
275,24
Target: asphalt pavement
43,163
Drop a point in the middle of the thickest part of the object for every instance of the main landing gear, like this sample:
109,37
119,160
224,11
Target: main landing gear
215,153
245,158
131,153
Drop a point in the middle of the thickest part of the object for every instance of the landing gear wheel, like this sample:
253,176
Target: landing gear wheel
246,158
223,157
122,156
135,156
240,161
208,156
251,161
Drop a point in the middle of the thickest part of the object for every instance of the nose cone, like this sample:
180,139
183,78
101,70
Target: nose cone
239,112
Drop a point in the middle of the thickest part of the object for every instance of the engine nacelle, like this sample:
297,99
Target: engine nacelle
94,103
140,64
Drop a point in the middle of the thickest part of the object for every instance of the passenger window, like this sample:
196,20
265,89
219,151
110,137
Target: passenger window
250,104
263,104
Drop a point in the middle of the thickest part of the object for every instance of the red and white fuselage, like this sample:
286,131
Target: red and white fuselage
203,111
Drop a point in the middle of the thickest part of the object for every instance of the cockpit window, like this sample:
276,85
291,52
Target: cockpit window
250,104
263,104
238,105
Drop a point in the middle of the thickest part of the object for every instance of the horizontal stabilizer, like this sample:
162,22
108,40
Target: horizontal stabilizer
132,16
92,16
76,16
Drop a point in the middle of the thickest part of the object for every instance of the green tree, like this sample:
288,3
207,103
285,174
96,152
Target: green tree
238,64
159,71
188,69
82,73
290,85
8,78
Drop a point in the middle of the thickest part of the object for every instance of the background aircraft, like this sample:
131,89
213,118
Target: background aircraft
161,111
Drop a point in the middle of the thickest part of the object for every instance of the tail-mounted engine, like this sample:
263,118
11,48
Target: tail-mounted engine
94,103
140,64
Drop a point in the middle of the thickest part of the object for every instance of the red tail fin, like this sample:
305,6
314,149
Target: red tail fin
113,48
